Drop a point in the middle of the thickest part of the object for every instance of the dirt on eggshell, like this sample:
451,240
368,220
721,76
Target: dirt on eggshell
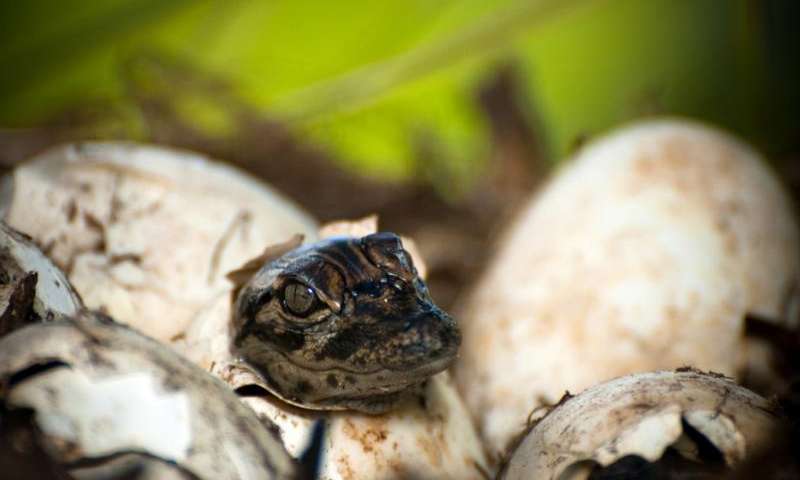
646,251
108,400
668,424
144,233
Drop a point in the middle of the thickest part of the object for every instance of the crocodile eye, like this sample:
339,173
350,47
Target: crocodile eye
299,299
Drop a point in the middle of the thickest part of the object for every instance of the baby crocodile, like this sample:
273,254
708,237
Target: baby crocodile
345,323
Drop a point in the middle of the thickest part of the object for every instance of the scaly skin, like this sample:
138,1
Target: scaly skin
345,323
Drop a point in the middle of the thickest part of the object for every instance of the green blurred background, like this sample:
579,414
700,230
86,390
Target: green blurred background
441,116
383,87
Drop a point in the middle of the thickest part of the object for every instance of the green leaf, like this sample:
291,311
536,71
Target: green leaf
382,85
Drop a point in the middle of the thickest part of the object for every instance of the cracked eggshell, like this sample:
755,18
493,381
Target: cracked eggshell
644,252
643,415
31,287
101,391
144,233
430,435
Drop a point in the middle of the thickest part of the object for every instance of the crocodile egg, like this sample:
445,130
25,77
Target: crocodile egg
87,398
644,252
144,233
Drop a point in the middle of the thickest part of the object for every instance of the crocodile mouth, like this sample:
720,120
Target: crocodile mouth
374,403
388,381
423,367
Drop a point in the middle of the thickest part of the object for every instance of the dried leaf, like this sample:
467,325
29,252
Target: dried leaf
241,275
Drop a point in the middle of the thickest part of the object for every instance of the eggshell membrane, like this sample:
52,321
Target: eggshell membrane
644,252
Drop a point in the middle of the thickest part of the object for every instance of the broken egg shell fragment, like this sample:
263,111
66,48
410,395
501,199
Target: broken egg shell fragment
427,436
144,233
31,286
643,415
644,252
100,390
